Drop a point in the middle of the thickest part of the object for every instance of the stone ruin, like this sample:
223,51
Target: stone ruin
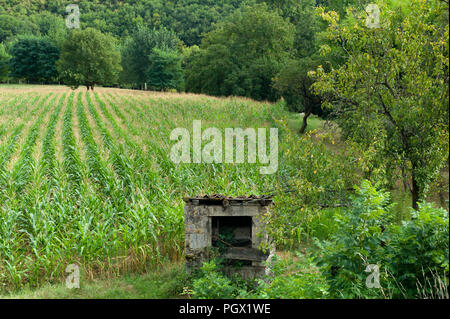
232,225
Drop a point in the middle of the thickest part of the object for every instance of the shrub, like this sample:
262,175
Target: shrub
299,279
419,251
212,284
289,279
357,243
413,257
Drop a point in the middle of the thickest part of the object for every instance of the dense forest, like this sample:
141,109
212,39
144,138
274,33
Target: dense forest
188,18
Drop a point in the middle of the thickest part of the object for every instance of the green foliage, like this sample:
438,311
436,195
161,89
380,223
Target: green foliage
165,70
294,85
89,57
34,59
301,13
357,243
4,63
242,55
409,256
340,6
293,82
289,279
212,284
51,26
293,279
11,27
313,177
419,248
188,18
136,61
391,95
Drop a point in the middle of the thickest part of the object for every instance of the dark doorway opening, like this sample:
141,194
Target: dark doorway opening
231,231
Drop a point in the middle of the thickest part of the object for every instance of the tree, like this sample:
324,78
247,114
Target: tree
391,95
51,26
301,13
89,57
136,51
190,19
4,63
242,55
294,85
34,58
165,70
292,82
11,27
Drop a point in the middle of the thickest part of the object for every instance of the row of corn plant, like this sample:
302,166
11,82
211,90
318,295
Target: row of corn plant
167,236
9,124
71,159
169,216
97,169
48,144
149,125
118,130
117,155
13,243
22,170
16,104
140,162
9,104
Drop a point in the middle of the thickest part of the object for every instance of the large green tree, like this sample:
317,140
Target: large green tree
89,57
391,95
136,62
165,70
34,59
242,55
294,84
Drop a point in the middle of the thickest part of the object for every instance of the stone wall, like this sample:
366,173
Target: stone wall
199,213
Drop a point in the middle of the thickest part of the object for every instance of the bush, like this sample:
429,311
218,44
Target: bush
419,250
289,279
413,257
299,279
358,242
212,284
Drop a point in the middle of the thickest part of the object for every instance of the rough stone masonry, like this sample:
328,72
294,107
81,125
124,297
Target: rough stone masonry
232,223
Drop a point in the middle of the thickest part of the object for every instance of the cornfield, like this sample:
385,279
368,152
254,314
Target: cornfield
87,178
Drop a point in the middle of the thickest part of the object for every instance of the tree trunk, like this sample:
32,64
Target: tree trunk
415,192
305,122
404,179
